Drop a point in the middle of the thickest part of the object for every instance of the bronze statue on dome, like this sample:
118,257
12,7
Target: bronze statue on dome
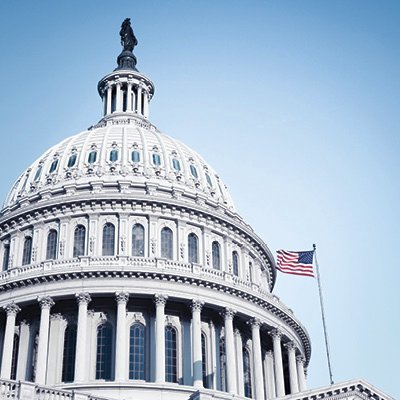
128,38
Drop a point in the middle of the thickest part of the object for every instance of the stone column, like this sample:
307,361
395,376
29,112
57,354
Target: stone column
294,383
255,324
109,100
129,96
228,315
279,380
301,373
120,344
146,104
83,299
160,300
239,361
23,350
196,307
12,310
118,97
139,100
46,303
270,375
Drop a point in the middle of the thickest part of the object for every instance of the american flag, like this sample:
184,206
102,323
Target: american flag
296,262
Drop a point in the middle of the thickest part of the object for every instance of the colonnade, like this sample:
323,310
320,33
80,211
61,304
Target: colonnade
267,367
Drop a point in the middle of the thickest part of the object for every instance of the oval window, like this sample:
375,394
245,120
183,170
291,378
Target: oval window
193,171
71,160
53,166
135,156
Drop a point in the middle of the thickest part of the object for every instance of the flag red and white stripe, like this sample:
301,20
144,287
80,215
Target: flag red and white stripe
296,262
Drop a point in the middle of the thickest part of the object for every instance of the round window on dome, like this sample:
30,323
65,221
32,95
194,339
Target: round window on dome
176,164
193,171
53,166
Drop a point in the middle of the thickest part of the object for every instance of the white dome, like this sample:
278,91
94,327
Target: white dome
125,155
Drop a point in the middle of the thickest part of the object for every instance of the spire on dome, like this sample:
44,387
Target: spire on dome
127,60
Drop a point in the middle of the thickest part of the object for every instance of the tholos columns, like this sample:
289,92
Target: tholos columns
11,309
279,380
257,359
83,299
120,369
146,104
46,303
239,360
294,383
139,100
228,315
300,373
270,375
160,301
118,97
109,93
196,307
129,96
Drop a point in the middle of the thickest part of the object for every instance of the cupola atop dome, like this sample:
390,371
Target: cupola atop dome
126,90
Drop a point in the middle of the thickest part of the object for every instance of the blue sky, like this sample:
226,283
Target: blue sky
294,103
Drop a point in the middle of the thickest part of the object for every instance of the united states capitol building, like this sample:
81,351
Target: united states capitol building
128,274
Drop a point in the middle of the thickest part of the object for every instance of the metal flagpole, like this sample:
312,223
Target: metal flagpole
323,315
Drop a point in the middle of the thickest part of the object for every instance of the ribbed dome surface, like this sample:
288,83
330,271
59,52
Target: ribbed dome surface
131,151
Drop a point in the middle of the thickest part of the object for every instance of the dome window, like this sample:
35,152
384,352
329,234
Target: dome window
92,157
156,159
176,164
193,171
114,155
53,166
209,181
71,160
135,156
38,173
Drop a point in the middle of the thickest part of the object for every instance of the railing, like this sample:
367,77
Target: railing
8,389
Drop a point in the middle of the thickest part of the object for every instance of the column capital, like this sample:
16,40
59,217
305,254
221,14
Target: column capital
160,299
236,332
83,297
122,297
228,313
301,360
291,346
275,333
254,322
11,308
24,322
45,302
269,354
196,305
57,317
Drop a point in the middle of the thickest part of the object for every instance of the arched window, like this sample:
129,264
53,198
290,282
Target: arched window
68,365
137,351
176,164
222,363
104,350
135,157
235,263
92,157
247,373
166,243
156,159
170,354
193,248
71,160
51,251
6,256
27,252
108,239
14,360
79,241
204,360
138,240
114,155
250,273
216,255
53,166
